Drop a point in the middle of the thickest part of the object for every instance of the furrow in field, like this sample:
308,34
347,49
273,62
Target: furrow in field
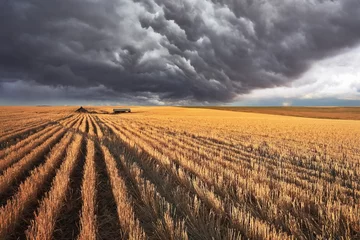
67,224
280,169
239,164
203,195
104,128
130,226
8,140
18,124
261,192
75,126
18,172
70,124
15,136
197,209
152,210
108,224
99,133
11,129
88,226
202,223
92,129
14,216
305,211
312,164
302,163
17,154
251,190
43,226
80,124
87,127
26,129
69,120
300,171
84,125
290,171
9,150
274,170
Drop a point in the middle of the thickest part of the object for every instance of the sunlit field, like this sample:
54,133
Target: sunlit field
348,113
177,173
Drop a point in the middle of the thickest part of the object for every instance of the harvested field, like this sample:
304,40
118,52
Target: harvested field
176,173
349,113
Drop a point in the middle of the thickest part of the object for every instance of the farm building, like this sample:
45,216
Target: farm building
121,110
82,110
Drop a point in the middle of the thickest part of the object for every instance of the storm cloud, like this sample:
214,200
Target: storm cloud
170,51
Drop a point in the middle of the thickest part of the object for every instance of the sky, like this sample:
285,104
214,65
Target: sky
185,52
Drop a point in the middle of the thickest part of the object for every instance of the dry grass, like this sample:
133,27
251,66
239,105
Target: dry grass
178,173
348,113
42,226
16,152
11,213
280,190
15,171
130,226
88,193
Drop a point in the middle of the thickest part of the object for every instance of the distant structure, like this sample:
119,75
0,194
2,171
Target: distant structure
121,110
82,110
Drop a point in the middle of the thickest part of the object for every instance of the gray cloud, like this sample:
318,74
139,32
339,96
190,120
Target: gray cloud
196,51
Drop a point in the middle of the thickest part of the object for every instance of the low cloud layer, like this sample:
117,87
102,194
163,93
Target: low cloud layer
334,79
167,51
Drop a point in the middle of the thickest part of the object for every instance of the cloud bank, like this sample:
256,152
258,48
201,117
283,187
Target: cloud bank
166,51
331,79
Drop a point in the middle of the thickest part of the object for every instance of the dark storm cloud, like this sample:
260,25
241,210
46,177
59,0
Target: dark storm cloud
205,51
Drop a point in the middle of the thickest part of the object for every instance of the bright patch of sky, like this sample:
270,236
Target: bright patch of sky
337,78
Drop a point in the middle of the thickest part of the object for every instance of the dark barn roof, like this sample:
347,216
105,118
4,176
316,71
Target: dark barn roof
82,110
121,110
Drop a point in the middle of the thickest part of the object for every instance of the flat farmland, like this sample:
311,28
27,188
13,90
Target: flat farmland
349,113
177,173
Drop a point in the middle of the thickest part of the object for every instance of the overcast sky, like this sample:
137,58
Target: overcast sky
234,52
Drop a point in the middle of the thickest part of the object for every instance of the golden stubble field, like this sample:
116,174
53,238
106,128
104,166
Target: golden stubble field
176,173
